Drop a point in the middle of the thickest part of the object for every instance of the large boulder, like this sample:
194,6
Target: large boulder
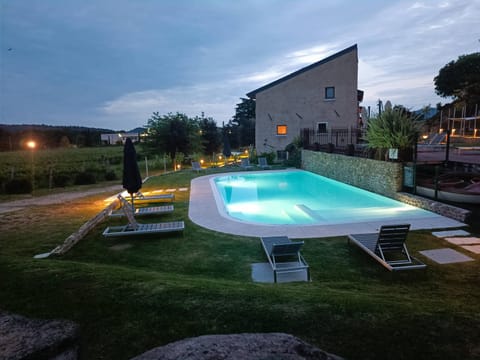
269,346
23,338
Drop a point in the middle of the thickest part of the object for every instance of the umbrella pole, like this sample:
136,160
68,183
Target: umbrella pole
133,206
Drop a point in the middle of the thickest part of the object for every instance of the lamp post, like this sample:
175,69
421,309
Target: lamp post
32,145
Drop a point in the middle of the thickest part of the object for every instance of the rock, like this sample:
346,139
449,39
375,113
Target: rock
269,346
22,338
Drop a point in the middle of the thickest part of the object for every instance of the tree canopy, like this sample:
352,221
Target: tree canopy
460,79
172,134
241,128
211,139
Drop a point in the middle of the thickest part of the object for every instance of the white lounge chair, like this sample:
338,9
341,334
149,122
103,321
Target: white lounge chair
157,197
245,164
388,247
284,255
140,211
196,166
262,162
135,228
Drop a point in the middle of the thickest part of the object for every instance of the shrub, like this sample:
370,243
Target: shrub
18,186
61,180
85,178
110,175
392,129
294,156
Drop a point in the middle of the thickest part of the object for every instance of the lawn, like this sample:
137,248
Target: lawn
133,294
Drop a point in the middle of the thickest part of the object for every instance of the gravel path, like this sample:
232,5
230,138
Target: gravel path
59,198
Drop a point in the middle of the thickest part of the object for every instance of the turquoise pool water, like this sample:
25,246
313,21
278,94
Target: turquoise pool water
301,197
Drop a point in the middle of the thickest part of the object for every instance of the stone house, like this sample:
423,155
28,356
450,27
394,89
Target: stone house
320,98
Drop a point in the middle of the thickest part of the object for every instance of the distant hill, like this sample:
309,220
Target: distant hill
14,137
138,130
425,116
26,127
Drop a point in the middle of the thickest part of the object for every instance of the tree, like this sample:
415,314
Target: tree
211,139
460,79
172,133
244,120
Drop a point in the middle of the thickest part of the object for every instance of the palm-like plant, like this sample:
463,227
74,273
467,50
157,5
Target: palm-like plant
392,129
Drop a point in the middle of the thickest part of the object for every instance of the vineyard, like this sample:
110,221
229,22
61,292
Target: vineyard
23,171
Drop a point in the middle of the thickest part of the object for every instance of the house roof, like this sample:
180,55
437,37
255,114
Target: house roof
253,94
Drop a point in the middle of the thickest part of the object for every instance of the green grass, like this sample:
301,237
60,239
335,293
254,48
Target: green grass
165,288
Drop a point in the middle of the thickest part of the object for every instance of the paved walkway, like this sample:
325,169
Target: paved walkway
58,198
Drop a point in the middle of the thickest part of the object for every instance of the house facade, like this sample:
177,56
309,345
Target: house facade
322,97
119,138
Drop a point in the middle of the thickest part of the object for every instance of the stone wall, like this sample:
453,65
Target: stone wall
381,177
449,211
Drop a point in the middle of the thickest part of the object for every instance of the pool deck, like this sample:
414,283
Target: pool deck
204,212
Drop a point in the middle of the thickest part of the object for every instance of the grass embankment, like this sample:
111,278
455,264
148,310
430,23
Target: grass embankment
133,294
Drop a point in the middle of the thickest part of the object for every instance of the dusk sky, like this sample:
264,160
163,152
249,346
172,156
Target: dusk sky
112,63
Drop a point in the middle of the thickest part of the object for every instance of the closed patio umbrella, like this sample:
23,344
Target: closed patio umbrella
227,152
132,180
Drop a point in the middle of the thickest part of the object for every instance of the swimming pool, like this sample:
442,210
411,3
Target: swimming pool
299,197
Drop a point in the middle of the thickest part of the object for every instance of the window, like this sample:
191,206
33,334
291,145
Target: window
281,129
322,127
330,92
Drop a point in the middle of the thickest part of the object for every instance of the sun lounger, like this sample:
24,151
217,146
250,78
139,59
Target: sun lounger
284,255
388,247
245,164
135,228
150,210
196,166
157,197
262,162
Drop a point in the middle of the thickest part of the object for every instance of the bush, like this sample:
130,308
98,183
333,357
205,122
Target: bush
350,150
61,180
18,186
110,175
294,156
85,178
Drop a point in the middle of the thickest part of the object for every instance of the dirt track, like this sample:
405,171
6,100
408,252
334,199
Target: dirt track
59,198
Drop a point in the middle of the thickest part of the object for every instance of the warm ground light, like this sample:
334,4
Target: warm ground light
133,294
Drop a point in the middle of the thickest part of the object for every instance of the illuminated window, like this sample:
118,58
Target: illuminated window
330,92
281,129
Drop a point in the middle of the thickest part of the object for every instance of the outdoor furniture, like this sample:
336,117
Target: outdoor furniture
135,228
196,166
150,210
245,164
388,247
139,196
262,162
284,255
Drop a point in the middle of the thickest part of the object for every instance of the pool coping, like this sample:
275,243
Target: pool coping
204,212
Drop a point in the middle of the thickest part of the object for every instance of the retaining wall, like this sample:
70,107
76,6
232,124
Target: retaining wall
381,177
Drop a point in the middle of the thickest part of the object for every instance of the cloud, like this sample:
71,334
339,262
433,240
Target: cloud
211,99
